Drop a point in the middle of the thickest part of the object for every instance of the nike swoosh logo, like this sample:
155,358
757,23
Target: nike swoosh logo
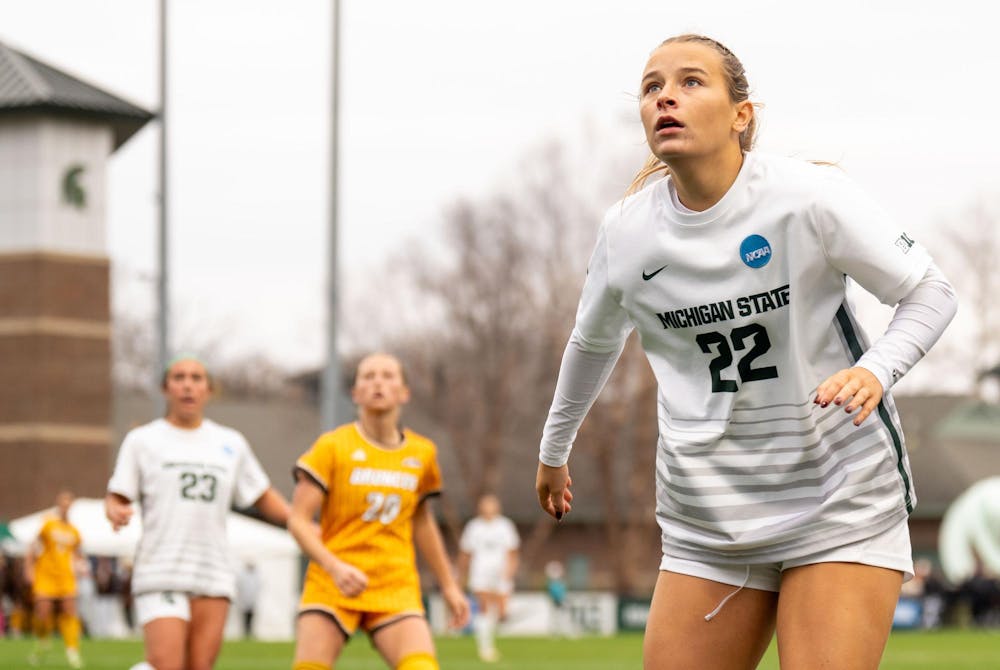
652,274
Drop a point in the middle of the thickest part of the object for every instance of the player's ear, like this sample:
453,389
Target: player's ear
744,115
404,394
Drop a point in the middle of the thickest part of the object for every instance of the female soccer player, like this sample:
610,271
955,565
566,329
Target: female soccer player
187,471
370,481
783,487
488,557
49,569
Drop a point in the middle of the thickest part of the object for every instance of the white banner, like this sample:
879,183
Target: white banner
533,613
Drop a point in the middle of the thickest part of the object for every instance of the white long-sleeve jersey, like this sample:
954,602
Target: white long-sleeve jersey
742,312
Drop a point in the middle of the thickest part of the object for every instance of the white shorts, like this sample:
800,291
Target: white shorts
889,549
490,582
162,605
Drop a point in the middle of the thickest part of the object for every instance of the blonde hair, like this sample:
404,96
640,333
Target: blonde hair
739,91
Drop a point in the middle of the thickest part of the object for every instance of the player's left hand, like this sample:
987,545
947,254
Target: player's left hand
118,509
350,580
852,387
458,607
552,486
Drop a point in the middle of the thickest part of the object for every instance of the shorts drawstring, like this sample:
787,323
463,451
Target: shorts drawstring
711,615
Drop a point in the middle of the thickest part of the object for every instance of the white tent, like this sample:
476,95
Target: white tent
273,551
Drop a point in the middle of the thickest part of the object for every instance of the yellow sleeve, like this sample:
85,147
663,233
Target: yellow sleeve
430,483
317,463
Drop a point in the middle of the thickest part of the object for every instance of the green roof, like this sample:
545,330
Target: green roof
28,85
973,420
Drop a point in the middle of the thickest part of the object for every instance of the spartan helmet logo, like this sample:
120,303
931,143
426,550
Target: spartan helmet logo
904,243
72,191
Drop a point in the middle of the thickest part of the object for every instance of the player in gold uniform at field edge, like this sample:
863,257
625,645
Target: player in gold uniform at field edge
48,567
370,481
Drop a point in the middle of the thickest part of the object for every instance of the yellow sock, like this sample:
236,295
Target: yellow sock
310,665
18,621
41,627
419,661
69,628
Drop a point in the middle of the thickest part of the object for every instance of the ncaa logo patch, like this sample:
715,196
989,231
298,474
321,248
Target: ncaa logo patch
755,251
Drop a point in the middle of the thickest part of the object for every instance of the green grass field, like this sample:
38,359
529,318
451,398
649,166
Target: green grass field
945,650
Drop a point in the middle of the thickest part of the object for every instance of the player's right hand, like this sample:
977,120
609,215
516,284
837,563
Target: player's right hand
118,510
348,578
458,607
552,486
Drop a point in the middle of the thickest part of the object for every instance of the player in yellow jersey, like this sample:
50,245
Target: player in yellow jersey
48,568
369,481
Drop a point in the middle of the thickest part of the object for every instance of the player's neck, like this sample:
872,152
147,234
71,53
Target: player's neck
381,429
702,181
185,422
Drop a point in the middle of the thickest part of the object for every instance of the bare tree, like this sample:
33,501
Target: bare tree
133,353
248,374
969,253
621,434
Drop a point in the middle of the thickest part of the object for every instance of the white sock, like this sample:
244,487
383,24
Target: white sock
483,625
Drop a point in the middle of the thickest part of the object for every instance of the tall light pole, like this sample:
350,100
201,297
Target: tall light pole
330,391
162,283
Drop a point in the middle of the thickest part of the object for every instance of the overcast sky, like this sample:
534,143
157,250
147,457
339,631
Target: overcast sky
442,97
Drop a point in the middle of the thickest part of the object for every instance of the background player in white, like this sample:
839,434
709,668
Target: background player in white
733,270
968,541
488,557
187,472
247,591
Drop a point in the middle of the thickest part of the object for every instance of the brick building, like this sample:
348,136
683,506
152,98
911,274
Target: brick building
56,135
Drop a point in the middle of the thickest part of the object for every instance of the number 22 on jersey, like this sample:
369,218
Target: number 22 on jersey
760,344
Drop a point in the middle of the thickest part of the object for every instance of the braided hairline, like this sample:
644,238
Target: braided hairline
734,68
